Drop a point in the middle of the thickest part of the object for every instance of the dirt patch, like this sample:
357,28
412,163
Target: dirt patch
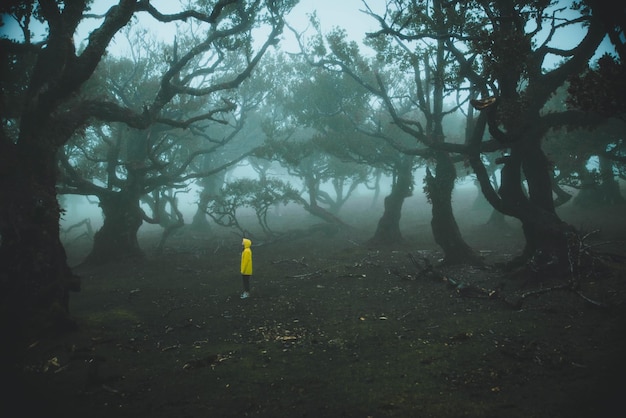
334,327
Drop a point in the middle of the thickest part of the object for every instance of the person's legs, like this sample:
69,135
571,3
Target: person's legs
246,286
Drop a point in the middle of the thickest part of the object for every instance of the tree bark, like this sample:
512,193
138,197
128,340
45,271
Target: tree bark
388,228
117,238
548,238
444,226
199,222
609,188
35,278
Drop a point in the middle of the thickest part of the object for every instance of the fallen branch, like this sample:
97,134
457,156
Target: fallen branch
307,275
171,347
515,301
293,260
462,288
591,301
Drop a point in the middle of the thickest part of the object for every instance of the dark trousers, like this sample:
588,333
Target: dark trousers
246,282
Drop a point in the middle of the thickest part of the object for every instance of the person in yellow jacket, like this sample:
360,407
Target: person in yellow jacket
246,266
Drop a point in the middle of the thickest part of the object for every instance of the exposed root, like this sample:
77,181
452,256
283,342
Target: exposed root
582,264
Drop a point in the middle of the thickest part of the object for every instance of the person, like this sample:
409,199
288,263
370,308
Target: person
246,267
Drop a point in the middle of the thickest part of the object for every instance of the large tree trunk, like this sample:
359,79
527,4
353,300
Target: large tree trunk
118,236
445,229
211,187
549,240
388,228
546,234
35,278
170,221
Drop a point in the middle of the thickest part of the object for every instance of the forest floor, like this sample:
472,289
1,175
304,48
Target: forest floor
337,328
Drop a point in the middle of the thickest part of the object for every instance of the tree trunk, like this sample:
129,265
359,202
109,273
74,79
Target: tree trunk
609,188
445,229
388,229
211,187
320,212
376,187
313,208
199,221
35,278
118,236
589,194
548,238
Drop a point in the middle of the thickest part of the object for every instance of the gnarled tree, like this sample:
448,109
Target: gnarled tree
47,109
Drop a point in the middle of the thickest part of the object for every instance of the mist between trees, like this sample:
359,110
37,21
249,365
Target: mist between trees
218,120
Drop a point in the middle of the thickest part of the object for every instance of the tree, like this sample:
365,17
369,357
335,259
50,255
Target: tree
369,145
580,162
600,89
210,187
259,195
50,109
303,159
418,110
515,88
499,53
302,112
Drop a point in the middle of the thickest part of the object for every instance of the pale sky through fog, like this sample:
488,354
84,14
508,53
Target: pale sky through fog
331,13
345,14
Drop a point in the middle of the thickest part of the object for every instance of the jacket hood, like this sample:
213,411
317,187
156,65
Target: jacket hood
246,243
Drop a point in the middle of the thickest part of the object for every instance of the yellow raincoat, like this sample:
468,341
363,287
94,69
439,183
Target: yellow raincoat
246,258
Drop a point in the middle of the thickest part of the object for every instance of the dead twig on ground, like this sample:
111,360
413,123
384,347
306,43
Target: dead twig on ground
307,275
292,260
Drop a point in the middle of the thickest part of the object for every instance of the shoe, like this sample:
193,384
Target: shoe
245,295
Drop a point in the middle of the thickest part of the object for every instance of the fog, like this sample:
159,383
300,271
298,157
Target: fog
416,211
